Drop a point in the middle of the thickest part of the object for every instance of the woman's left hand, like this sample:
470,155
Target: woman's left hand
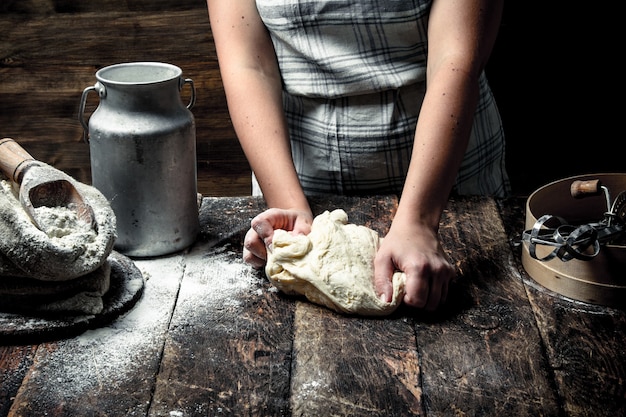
417,252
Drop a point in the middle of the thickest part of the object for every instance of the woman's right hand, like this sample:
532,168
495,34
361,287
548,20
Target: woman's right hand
259,237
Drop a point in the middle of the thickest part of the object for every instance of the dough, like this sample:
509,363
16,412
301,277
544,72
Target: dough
333,266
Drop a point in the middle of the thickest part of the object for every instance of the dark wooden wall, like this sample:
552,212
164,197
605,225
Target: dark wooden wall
550,76
51,49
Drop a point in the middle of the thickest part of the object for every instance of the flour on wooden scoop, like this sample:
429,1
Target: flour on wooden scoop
65,249
332,266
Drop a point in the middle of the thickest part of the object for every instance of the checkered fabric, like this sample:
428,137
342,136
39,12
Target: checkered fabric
354,81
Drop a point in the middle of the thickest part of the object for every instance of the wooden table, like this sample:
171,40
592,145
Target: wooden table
210,337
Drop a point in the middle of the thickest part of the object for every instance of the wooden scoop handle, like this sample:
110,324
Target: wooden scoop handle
580,189
13,159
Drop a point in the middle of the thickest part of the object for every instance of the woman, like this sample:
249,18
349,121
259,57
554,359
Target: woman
363,97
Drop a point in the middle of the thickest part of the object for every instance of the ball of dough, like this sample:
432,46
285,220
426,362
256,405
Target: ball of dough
332,266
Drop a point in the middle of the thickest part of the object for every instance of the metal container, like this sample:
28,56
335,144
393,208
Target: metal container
142,142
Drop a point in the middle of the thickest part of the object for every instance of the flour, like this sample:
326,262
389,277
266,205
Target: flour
58,222
67,230
230,280
63,223
66,247
123,354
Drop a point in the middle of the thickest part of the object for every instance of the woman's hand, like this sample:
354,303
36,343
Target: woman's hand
261,232
417,252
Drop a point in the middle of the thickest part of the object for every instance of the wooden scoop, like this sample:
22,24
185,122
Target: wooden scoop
40,184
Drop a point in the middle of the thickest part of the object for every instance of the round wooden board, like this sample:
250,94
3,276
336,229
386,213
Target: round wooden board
125,289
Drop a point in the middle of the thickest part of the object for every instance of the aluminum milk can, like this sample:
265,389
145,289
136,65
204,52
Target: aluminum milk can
142,141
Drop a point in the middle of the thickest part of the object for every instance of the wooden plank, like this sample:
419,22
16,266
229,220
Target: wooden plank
585,346
482,354
229,345
354,366
584,342
15,362
98,39
351,365
109,371
42,7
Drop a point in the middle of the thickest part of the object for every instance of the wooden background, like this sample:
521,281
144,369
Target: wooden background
551,91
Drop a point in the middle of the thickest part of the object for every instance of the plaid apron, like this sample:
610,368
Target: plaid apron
354,77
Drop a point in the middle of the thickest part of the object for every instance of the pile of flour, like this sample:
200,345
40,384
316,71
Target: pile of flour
63,224
64,247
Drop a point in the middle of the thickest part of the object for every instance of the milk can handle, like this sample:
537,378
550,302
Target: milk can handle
192,99
81,110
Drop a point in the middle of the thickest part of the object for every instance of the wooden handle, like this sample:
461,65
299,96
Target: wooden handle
13,159
580,189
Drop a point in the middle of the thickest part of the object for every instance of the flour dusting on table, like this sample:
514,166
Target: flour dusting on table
221,281
76,367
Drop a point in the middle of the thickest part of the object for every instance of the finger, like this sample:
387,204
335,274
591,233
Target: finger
434,296
445,288
264,230
444,292
439,287
254,250
252,260
417,288
383,275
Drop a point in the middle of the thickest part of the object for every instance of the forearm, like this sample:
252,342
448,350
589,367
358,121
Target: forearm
255,107
460,39
441,138
253,91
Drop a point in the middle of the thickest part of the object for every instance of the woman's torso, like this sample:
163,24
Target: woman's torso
338,48
354,80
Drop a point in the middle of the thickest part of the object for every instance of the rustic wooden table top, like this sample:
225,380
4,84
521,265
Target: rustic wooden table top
210,337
